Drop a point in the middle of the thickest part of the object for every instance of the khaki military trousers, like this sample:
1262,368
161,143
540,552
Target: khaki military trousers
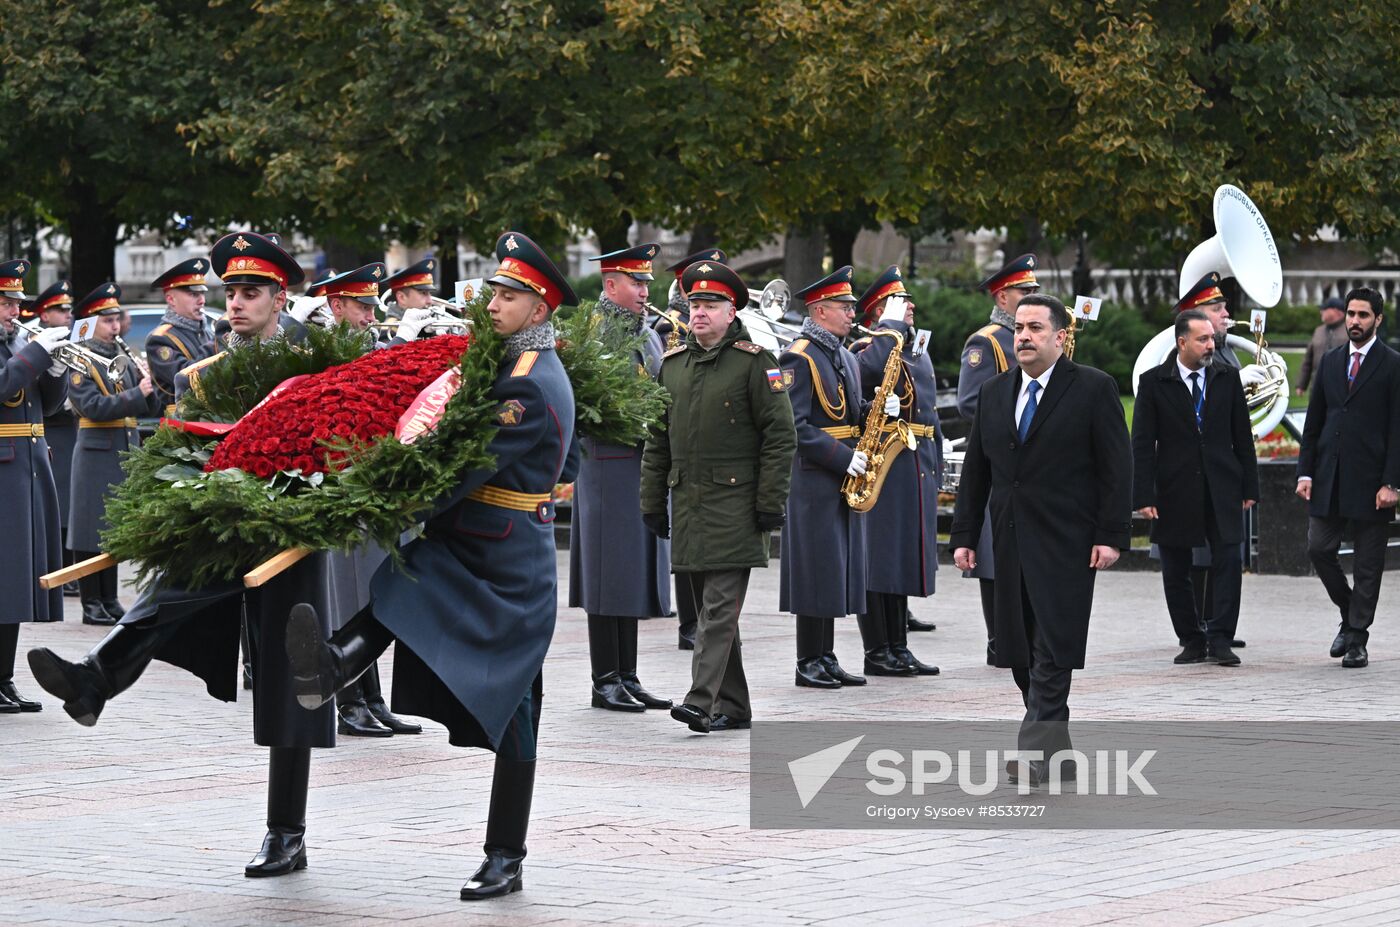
717,682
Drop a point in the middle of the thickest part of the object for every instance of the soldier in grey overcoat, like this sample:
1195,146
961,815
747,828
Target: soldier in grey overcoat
618,570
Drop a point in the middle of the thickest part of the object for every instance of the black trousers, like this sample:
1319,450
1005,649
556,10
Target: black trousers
9,640
1221,614
1357,601
1044,690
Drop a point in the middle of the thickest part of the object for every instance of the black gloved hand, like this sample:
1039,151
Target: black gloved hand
771,521
657,524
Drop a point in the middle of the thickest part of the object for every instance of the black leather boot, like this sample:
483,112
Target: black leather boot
355,719
108,580
627,661
90,591
811,674
284,847
322,667
634,689
829,662
609,693
899,638
512,789
374,701
108,670
810,648
880,662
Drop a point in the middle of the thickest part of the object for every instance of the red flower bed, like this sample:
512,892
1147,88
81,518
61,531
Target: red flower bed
359,400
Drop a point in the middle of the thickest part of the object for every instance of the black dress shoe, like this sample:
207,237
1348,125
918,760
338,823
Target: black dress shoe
914,624
283,851
499,874
114,608
1356,657
393,722
8,707
881,662
1221,655
1237,642
908,659
835,671
726,723
356,721
608,692
634,689
1192,653
70,590
1339,643
9,694
685,638
812,675
692,717
94,613
81,686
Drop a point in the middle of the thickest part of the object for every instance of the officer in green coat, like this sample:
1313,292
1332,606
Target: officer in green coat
723,454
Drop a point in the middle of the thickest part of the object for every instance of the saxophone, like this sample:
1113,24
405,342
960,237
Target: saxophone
862,492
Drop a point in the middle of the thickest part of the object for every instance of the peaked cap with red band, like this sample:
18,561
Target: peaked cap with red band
1020,274
525,266
362,284
889,283
12,278
105,300
247,257
715,281
1205,290
835,285
60,295
418,275
709,254
634,262
188,274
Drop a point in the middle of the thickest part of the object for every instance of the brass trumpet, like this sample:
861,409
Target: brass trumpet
77,358
442,321
678,328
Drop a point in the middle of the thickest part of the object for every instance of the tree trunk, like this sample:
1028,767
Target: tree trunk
702,236
92,228
612,232
803,250
841,239
1082,277
342,256
1023,237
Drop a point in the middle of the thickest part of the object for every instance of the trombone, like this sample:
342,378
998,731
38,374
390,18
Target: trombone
77,358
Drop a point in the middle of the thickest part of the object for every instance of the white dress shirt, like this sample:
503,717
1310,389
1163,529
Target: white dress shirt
1024,397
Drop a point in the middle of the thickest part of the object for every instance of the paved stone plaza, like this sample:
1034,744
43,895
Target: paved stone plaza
150,816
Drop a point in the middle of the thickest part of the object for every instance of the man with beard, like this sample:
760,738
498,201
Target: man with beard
31,385
1049,455
1349,468
618,570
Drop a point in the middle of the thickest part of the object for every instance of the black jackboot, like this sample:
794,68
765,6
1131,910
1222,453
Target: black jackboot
355,719
90,593
322,667
899,638
627,665
284,847
374,701
605,661
512,788
108,580
108,670
811,673
828,659
876,640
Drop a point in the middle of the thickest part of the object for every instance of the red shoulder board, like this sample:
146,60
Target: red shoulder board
749,347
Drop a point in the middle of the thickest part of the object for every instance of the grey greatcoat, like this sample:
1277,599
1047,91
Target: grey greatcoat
616,566
61,431
823,554
988,351
28,496
170,349
902,528
106,428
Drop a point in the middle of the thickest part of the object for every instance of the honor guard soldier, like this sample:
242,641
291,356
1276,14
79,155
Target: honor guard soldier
619,571
54,309
823,548
31,385
902,527
107,408
721,460
987,353
411,288
198,629
678,308
179,340
352,296
473,606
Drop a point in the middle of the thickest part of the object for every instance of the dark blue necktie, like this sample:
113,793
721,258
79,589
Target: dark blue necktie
1028,412
1197,397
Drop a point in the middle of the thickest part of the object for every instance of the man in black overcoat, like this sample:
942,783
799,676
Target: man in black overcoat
1194,471
1049,453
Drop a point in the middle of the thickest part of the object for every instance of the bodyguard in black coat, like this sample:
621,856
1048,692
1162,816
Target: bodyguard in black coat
1049,453
1349,468
1193,473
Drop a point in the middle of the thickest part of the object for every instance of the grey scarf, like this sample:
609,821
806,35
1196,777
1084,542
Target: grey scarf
629,319
235,340
821,336
98,346
193,326
1003,318
535,338
679,304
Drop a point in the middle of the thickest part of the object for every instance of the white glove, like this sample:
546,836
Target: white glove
857,465
892,406
1253,374
413,323
303,308
51,339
